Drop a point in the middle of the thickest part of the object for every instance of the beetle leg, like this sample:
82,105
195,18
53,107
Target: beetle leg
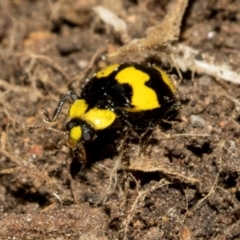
58,109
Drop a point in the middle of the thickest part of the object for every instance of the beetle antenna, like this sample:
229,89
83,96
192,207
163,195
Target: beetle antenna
33,128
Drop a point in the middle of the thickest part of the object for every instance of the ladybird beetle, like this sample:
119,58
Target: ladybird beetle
134,95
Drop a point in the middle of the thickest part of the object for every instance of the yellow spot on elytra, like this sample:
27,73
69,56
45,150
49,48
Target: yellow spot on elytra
143,97
99,118
107,71
78,108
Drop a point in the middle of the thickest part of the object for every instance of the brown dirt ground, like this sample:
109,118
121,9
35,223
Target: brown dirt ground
186,187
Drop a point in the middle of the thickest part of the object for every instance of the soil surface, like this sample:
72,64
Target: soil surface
184,184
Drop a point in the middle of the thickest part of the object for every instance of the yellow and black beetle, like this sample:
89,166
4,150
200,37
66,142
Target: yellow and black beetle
133,95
